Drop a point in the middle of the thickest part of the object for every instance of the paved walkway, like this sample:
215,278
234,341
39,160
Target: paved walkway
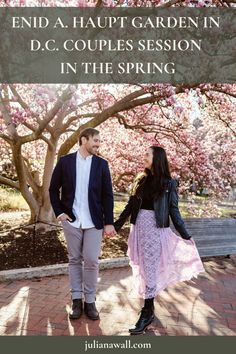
203,306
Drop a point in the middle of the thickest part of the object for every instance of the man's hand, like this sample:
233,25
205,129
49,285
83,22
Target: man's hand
64,217
109,231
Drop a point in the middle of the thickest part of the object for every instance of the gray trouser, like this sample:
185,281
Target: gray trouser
83,245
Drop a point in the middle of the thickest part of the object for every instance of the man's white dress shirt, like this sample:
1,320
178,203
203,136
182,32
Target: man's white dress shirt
80,206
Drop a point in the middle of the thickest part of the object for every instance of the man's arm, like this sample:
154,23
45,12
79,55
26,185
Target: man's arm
54,189
107,201
107,196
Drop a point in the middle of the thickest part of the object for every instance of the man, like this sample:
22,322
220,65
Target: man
85,209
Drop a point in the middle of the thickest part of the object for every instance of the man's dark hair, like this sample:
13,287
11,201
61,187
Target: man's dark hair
87,133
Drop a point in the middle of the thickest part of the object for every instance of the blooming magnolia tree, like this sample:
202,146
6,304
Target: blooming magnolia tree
39,123
197,129
117,3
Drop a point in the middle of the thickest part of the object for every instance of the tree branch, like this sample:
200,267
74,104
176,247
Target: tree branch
219,116
219,90
124,104
79,116
7,119
170,3
151,128
66,95
120,105
47,141
6,138
35,187
8,182
19,98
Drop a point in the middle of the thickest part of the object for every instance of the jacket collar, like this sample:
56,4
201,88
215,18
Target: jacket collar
92,175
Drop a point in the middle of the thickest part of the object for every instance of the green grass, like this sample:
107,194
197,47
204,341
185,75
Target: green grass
11,200
119,207
225,212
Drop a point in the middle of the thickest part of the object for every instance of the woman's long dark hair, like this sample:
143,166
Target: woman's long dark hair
161,173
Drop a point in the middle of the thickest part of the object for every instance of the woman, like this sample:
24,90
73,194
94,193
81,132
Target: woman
158,256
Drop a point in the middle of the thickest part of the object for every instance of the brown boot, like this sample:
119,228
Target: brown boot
91,311
77,309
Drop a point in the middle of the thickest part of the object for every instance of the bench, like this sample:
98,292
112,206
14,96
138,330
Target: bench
213,236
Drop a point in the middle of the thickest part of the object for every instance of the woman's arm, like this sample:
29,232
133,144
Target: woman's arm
175,213
124,215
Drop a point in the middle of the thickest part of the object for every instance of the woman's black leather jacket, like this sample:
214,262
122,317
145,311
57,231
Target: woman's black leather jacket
165,206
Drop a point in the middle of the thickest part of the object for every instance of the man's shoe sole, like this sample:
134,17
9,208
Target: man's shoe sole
71,317
75,317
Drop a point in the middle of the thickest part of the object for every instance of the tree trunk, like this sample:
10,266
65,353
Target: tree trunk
24,188
46,214
38,200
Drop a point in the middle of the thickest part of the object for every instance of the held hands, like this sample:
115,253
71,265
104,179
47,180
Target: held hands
109,231
64,217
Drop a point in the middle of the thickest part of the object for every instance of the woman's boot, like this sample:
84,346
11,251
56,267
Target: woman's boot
145,319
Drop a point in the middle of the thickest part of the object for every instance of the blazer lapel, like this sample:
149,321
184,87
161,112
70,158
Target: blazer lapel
73,166
93,170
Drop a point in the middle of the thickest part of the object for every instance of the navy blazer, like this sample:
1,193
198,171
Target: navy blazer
100,195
